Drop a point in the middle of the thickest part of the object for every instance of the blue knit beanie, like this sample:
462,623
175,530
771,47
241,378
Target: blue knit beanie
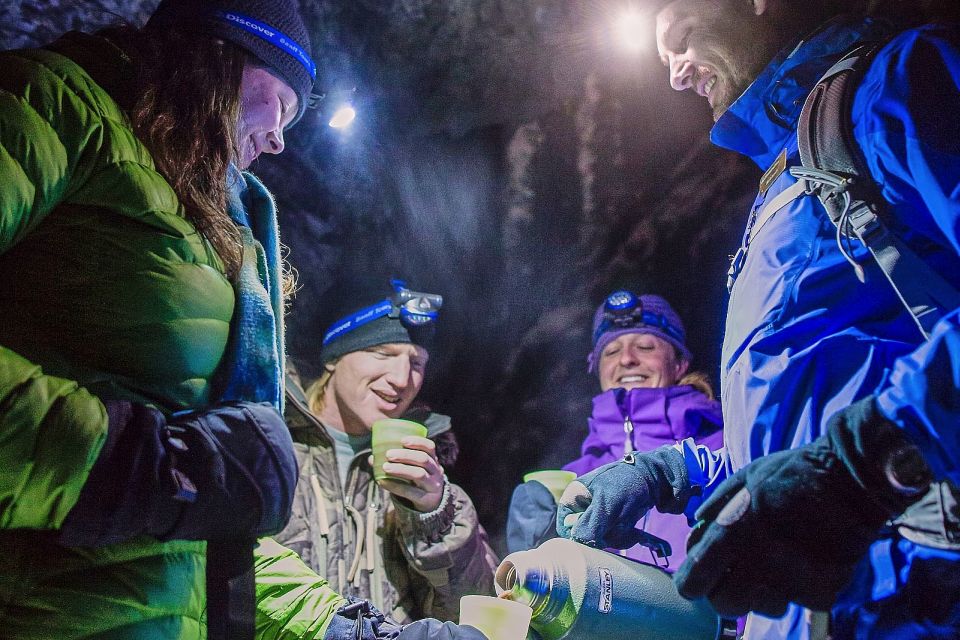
668,327
271,30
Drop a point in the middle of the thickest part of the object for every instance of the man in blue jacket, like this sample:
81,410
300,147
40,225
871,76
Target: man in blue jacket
841,421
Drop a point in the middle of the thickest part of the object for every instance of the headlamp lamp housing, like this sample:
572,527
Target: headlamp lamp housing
414,308
624,310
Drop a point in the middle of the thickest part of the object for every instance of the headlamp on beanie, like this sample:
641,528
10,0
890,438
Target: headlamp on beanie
407,316
624,310
337,107
414,308
271,30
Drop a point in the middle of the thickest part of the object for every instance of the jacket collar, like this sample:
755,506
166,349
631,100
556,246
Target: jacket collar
761,121
672,413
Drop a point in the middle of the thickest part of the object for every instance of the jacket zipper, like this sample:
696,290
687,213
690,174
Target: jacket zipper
628,448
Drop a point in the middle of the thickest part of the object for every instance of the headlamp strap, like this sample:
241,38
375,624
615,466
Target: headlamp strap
358,319
637,318
272,35
413,308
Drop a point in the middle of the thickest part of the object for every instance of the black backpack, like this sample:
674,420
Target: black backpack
834,168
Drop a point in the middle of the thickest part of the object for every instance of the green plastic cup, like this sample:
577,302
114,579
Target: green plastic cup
553,479
387,434
496,618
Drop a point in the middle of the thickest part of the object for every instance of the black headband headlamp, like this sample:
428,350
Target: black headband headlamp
414,309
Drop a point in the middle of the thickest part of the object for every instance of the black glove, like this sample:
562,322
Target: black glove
360,620
228,473
792,526
611,499
531,518
431,629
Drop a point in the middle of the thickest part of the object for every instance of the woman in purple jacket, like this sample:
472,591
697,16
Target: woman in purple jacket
648,399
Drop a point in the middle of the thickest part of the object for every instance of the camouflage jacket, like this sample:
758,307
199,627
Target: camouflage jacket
411,565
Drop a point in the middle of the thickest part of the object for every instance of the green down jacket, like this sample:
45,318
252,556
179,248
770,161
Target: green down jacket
106,291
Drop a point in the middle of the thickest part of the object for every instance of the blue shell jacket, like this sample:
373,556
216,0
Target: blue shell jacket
804,338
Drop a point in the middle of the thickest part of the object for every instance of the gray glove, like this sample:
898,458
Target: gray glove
531,517
611,499
360,620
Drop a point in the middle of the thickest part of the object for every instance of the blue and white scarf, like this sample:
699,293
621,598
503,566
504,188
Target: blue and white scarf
252,368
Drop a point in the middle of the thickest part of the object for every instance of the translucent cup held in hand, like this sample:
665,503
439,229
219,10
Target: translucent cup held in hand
387,434
496,618
553,479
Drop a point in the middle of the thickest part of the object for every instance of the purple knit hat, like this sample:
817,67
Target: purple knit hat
658,319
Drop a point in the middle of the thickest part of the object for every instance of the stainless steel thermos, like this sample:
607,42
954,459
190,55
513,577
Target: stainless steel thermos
580,593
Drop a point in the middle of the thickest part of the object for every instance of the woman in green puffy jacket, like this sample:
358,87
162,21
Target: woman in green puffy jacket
141,338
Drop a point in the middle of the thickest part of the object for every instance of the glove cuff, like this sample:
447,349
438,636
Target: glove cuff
125,494
673,488
880,457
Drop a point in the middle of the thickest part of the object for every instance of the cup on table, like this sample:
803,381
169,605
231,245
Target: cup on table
553,479
387,434
496,618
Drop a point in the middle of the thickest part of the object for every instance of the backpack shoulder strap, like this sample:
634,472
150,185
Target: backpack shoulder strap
833,166
825,129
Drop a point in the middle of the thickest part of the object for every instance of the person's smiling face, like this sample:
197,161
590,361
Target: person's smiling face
375,383
637,360
715,47
267,105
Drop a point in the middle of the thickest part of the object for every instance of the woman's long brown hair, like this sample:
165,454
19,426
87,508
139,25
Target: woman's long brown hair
186,112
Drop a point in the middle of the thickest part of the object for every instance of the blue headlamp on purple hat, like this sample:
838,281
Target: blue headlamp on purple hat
624,310
414,309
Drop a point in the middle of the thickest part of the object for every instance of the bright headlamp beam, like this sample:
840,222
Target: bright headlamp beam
343,117
631,29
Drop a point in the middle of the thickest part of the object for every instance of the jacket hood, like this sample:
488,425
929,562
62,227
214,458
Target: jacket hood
762,120
659,416
105,62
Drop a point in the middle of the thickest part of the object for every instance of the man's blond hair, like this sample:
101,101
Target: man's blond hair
318,389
